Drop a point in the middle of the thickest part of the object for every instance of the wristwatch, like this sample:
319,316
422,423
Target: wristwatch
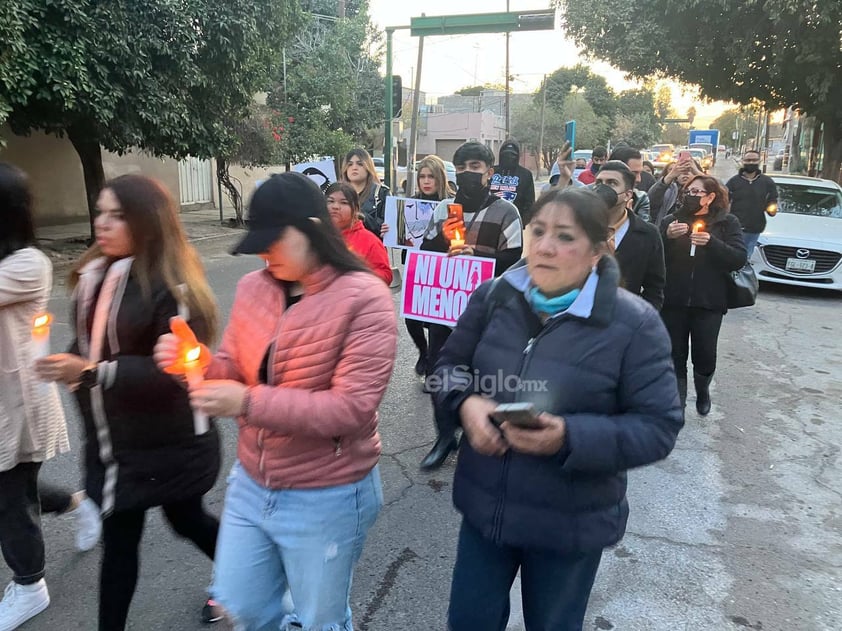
88,378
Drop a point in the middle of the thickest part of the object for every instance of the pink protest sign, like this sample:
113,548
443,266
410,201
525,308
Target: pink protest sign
436,287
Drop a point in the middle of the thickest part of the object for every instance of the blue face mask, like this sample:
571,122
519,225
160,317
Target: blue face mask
551,306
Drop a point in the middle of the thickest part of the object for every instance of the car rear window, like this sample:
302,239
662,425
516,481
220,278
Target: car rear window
809,200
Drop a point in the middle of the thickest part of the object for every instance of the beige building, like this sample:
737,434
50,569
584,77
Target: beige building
59,187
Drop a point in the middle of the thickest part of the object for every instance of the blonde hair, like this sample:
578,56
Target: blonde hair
437,168
368,165
160,247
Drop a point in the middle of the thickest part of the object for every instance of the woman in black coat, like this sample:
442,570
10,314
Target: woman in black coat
142,447
594,360
703,243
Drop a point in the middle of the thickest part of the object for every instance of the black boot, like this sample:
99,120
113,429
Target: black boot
444,444
421,364
702,392
682,390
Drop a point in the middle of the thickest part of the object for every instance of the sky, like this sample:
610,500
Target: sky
454,62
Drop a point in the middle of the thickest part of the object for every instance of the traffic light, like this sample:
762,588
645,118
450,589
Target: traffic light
397,96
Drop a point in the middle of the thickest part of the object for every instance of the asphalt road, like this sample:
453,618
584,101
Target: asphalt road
740,528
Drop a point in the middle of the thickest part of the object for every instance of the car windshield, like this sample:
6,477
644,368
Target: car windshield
809,200
378,162
698,153
661,148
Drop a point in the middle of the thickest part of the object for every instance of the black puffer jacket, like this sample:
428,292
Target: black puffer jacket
610,375
141,451
702,280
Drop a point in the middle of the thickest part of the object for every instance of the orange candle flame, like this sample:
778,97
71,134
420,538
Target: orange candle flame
457,236
42,321
698,226
193,354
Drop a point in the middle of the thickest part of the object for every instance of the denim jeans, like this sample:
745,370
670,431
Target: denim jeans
750,239
304,541
555,587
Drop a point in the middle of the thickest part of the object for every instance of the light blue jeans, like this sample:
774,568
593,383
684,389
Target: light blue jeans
298,543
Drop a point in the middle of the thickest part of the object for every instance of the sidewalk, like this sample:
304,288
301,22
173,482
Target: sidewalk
64,244
198,224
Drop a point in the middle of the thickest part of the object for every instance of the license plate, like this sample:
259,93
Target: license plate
801,265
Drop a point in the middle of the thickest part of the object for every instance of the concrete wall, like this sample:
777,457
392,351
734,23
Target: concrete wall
484,127
55,172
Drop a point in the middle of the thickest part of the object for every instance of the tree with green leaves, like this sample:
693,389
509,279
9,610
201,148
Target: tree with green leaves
165,77
332,93
780,53
742,120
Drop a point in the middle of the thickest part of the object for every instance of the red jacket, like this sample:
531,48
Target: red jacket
369,248
587,176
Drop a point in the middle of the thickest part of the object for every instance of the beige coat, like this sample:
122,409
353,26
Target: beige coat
32,426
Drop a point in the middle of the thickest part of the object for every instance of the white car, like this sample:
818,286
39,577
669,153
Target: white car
802,244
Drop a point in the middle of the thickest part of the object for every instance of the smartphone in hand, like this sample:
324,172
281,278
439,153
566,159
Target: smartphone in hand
520,414
570,136
684,156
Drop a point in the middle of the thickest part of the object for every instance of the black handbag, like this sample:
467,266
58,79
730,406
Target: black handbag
742,287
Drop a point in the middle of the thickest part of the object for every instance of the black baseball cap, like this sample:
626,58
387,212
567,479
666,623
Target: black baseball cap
286,199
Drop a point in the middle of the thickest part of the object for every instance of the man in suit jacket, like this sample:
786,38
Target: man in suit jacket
635,242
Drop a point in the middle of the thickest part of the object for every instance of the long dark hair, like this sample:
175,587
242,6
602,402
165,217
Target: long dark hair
350,194
160,247
18,227
326,240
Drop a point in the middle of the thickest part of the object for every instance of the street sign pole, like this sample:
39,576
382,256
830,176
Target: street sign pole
424,26
390,109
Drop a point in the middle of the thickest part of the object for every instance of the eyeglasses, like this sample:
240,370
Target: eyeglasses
697,192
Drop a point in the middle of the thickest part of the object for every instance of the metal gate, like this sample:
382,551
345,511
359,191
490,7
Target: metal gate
195,181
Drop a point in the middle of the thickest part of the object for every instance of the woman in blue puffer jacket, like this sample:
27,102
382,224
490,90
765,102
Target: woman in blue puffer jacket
595,361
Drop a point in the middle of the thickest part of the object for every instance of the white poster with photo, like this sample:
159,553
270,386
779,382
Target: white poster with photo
407,219
322,172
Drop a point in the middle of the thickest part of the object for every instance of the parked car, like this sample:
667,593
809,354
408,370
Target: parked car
708,147
583,154
664,155
802,244
449,169
379,167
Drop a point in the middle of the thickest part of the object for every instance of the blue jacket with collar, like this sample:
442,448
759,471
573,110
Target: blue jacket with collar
605,366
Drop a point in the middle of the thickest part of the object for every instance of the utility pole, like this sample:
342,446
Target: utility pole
508,120
541,135
766,140
341,11
413,127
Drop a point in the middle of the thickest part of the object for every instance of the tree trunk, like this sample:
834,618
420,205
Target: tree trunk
90,154
224,178
832,162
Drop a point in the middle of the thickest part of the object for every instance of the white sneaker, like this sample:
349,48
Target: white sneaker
22,602
88,524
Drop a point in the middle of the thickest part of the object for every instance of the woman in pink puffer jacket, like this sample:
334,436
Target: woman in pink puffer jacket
303,365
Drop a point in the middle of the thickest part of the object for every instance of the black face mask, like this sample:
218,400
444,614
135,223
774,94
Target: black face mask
606,194
690,205
751,168
471,187
509,159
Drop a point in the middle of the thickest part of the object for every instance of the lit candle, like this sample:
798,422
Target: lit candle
41,335
457,241
772,209
193,372
697,227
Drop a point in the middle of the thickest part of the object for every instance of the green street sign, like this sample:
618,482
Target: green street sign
483,23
